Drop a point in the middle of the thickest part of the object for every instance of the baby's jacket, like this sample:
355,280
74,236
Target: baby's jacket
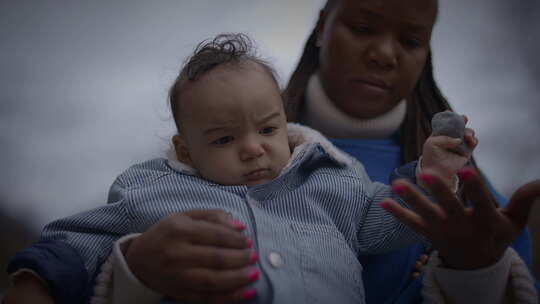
308,225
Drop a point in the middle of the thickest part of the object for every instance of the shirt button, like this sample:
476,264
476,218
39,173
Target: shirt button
275,260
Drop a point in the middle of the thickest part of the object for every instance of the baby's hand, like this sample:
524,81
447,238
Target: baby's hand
442,154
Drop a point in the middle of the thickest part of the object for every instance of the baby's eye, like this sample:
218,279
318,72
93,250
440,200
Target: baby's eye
223,140
267,130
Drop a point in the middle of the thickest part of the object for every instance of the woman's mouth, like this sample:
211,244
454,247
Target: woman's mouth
374,86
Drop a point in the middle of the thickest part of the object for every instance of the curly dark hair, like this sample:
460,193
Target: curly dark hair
225,49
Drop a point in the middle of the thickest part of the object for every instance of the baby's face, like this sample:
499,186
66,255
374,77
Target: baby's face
234,129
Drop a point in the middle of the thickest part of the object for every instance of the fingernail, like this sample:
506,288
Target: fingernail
400,189
385,205
254,275
253,257
249,243
466,174
428,179
238,225
249,294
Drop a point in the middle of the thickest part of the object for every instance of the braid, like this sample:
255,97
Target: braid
293,95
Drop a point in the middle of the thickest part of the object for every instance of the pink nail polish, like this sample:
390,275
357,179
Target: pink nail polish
385,205
466,174
400,189
428,179
249,294
249,243
238,225
254,275
253,257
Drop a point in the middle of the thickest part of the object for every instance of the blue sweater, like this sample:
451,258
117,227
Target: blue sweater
387,277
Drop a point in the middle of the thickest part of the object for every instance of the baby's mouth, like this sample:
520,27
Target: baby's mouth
257,174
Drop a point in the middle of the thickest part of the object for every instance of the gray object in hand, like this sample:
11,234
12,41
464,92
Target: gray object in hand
450,124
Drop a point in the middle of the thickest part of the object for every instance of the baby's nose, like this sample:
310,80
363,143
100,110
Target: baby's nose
251,150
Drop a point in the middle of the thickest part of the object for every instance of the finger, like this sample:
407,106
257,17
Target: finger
429,211
445,197
215,298
470,132
406,216
445,142
212,281
470,138
211,234
219,258
521,202
216,216
477,193
241,295
465,118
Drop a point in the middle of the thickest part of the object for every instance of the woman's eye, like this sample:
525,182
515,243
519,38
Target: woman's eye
362,29
412,43
223,140
267,130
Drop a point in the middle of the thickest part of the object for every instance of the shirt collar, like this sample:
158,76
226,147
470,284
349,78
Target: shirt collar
322,114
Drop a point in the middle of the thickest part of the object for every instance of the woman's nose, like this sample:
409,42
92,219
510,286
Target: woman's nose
251,150
383,53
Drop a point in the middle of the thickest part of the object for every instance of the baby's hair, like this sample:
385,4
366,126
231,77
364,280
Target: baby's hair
232,49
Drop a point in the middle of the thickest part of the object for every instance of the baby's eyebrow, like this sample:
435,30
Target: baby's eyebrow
212,130
269,117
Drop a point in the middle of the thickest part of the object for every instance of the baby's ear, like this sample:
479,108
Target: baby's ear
180,146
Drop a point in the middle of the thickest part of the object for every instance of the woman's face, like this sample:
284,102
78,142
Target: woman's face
373,51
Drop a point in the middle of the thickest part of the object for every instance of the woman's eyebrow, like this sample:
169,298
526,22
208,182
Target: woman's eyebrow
415,27
369,13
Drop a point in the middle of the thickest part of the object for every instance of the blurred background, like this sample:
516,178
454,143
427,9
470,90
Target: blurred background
84,84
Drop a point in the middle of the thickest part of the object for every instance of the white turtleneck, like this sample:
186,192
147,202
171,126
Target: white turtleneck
321,114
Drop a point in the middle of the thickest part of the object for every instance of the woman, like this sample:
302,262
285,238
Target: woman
373,62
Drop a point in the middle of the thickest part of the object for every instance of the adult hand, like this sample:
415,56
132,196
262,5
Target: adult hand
28,289
466,237
195,256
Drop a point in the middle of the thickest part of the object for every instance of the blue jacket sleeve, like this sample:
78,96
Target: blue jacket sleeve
71,249
59,265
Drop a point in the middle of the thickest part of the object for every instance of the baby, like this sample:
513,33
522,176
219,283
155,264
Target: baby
307,206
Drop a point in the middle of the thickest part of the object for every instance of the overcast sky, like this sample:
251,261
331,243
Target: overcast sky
83,85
